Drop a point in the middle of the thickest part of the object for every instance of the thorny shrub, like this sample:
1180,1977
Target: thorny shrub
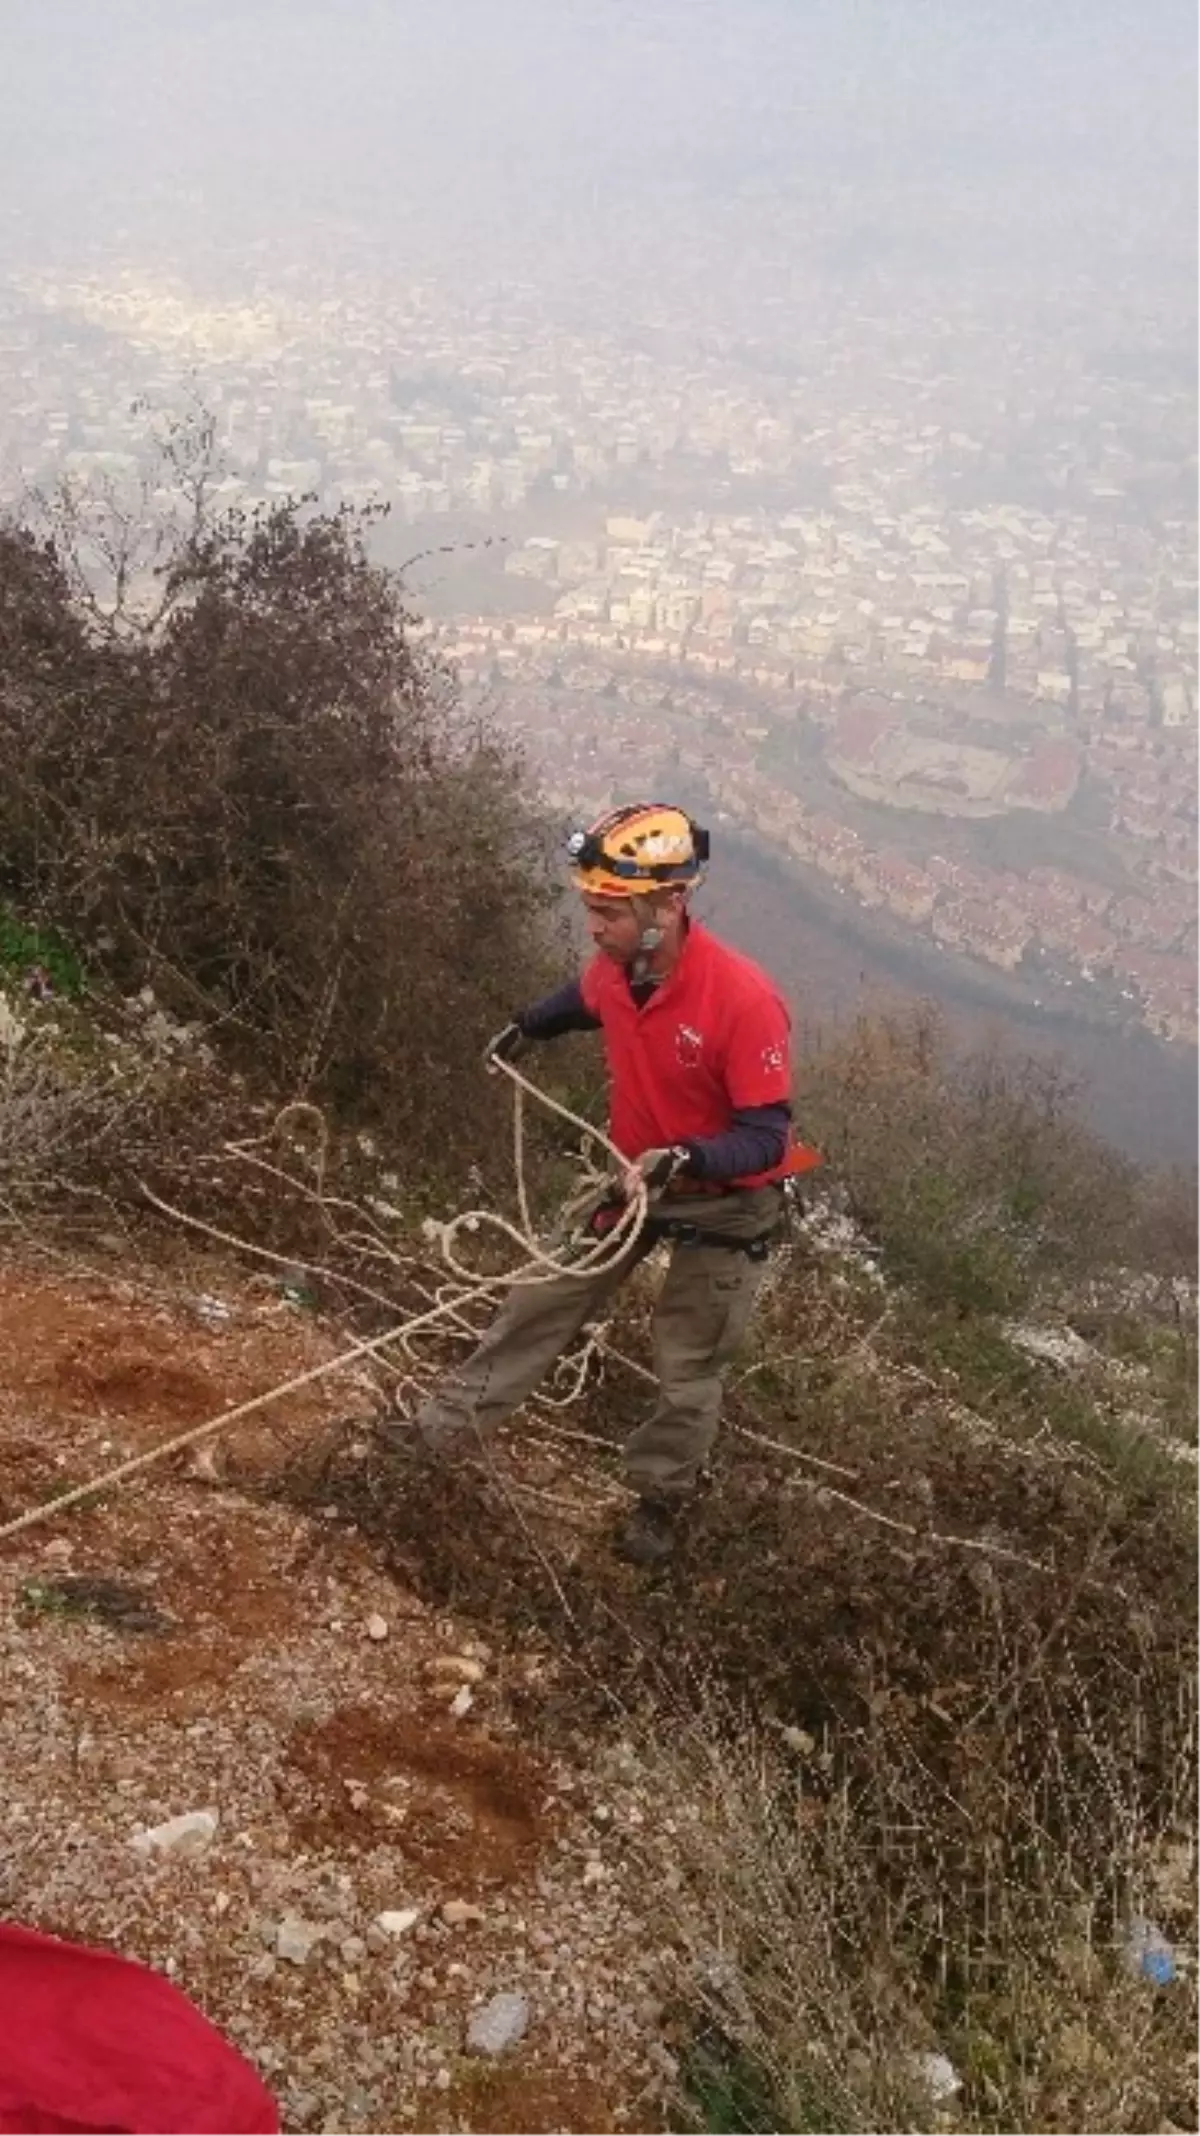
270,807
66,1121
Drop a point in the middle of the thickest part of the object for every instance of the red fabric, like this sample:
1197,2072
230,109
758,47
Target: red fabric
91,2042
716,1035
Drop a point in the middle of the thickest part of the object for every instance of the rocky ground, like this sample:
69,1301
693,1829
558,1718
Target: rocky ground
385,1854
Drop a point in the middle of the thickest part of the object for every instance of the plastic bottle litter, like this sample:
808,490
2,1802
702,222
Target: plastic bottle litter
1148,1955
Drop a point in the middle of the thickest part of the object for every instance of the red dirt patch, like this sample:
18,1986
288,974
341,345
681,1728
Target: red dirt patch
219,1575
476,1817
85,1357
530,2102
100,1370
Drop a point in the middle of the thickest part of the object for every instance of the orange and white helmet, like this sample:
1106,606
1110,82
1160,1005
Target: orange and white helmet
640,848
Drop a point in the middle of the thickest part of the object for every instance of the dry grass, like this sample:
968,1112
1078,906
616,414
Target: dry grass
830,1933
61,1120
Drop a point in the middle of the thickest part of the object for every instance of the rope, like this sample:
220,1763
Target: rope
540,1266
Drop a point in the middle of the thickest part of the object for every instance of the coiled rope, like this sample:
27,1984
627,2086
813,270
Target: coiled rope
540,1265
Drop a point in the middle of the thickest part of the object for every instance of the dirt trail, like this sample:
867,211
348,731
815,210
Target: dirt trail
261,1688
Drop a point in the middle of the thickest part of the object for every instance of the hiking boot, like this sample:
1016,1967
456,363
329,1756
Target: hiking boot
649,1535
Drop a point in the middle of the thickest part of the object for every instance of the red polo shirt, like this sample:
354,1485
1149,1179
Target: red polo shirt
714,1037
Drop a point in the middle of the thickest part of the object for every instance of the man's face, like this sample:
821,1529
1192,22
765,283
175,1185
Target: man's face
614,924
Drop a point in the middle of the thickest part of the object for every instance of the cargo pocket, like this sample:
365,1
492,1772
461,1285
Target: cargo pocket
733,1286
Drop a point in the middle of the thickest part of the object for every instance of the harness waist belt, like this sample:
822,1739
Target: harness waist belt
704,1189
682,1233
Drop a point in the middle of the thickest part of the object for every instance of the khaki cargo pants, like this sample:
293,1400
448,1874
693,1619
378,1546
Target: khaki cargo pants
701,1316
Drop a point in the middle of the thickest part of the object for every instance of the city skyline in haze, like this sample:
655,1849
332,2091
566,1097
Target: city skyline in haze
810,386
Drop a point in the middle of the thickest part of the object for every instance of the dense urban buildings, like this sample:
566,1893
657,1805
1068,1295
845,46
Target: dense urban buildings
912,594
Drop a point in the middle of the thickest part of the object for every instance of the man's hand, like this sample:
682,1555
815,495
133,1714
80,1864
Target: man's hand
507,1045
654,1170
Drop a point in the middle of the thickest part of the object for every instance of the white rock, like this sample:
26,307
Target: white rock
376,1627
1057,1346
189,1834
212,1309
399,1922
594,1871
499,2024
296,1939
462,1702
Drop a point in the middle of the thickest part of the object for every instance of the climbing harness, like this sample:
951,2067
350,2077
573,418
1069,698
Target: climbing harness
679,1232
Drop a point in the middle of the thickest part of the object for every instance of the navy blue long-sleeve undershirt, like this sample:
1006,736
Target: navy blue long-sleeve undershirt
560,1012
756,1139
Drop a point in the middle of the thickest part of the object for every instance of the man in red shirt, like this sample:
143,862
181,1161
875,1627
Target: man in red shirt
697,1046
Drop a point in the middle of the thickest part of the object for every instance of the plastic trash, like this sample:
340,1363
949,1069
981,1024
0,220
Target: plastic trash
937,2075
1148,1955
295,1288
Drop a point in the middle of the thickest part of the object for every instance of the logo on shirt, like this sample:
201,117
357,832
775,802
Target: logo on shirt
772,1059
689,1045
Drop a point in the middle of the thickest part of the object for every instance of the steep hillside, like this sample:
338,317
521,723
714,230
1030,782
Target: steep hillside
876,1808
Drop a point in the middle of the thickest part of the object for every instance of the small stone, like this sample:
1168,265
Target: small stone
213,1310
352,1950
262,1968
462,1702
594,1872
295,1939
499,2024
460,1913
204,1466
442,2080
602,1817
397,1923
59,1551
459,1668
189,1834
376,1627
799,1740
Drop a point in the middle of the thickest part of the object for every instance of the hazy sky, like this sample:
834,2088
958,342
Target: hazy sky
270,109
